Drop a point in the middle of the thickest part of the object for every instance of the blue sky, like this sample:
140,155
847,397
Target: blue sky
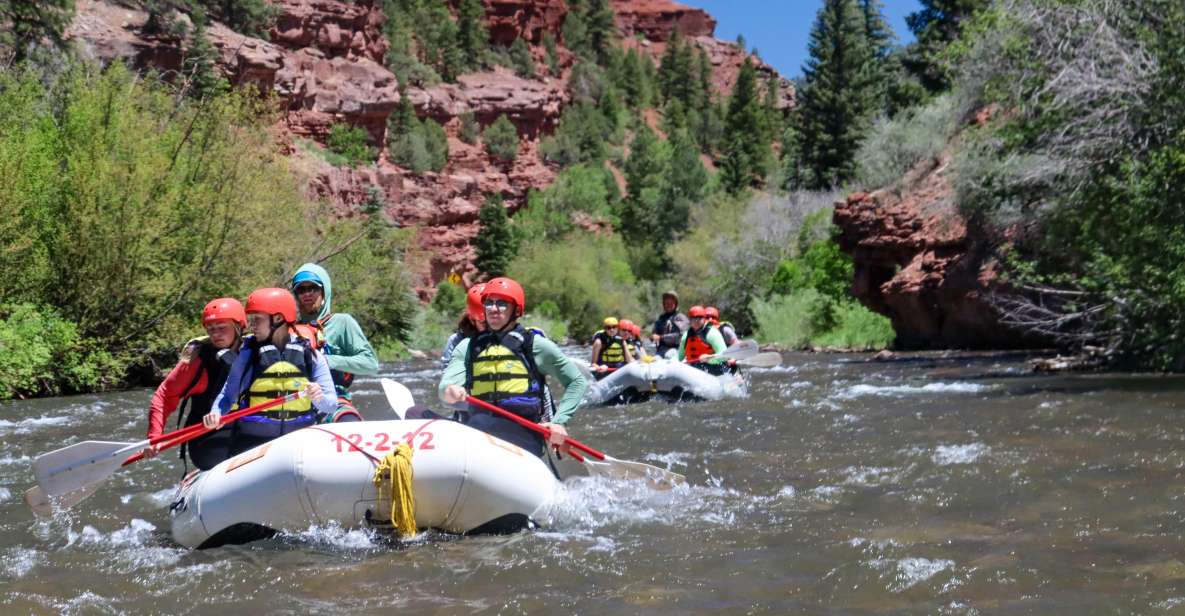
779,29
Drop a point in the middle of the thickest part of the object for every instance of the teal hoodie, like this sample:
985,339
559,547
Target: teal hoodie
346,347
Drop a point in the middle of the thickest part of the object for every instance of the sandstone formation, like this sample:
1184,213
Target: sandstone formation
324,59
918,263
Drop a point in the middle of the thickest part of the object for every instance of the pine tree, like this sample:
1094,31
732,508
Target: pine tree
471,33
643,166
602,32
496,244
938,24
520,57
28,22
452,57
553,54
746,151
839,94
880,45
575,29
198,64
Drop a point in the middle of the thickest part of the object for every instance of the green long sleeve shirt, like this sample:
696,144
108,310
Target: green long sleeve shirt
714,340
551,362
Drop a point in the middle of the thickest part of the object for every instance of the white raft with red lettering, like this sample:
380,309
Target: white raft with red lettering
671,379
464,481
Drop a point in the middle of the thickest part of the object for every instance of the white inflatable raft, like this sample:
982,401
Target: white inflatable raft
464,481
670,378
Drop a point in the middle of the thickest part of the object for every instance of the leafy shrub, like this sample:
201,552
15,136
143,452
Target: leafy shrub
586,277
583,136
501,139
896,145
520,57
792,320
579,191
350,142
857,327
449,298
44,354
470,130
430,330
422,147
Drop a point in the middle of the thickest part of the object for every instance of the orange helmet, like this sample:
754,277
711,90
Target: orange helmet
224,309
697,312
713,314
626,325
505,288
273,301
473,306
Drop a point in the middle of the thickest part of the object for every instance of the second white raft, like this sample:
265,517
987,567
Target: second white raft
671,378
464,480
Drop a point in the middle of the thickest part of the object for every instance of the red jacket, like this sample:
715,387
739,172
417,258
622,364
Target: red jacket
175,387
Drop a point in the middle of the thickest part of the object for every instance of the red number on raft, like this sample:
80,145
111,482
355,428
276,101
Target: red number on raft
425,444
382,443
355,440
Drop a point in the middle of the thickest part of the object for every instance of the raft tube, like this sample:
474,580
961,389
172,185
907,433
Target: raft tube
671,379
465,481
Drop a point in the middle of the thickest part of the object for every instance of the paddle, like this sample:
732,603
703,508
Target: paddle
762,360
398,396
70,474
659,479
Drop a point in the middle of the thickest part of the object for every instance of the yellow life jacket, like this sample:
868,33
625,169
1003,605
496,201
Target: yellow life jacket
612,350
279,373
500,369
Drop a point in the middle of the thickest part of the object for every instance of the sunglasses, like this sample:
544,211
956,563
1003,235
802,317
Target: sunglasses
306,288
500,304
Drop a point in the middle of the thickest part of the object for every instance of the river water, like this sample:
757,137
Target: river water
936,483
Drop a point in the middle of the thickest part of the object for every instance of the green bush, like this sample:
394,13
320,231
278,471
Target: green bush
857,327
585,277
579,191
127,207
422,147
520,56
350,142
430,330
470,130
501,139
896,145
449,299
792,320
41,353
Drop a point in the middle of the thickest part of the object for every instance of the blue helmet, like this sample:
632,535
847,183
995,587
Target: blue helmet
307,276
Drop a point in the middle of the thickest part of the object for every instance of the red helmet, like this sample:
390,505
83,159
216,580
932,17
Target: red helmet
473,303
273,301
505,288
713,314
697,312
625,325
224,309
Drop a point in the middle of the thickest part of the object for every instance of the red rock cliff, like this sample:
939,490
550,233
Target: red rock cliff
324,59
919,263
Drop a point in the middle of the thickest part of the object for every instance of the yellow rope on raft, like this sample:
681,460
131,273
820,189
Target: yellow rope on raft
395,471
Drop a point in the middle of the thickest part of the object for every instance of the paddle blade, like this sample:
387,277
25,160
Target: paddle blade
75,467
626,470
762,360
743,349
398,396
43,505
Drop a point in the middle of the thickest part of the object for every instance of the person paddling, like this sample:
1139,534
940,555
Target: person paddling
701,343
609,350
507,365
472,323
346,349
669,327
273,362
197,378
727,331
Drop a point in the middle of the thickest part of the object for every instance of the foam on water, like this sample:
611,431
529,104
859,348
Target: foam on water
909,572
5,494
598,502
19,561
337,538
9,460
861,390
946,455
868,476
26,426
137,533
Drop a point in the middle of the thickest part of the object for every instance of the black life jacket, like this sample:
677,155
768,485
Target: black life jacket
215,364
500,369
664,326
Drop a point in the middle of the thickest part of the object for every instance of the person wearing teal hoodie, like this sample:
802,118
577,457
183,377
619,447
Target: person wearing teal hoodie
345,346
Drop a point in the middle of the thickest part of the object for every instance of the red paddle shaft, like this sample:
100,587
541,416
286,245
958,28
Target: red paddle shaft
189,433
530,425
